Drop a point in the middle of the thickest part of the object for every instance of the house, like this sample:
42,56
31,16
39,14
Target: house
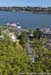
46,33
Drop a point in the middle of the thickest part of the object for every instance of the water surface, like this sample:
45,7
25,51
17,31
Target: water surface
27,20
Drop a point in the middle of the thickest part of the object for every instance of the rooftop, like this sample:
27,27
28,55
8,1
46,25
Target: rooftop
46,30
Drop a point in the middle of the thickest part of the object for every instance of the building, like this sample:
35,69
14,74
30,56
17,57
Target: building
46,33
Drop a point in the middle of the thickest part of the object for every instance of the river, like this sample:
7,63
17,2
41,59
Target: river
26,20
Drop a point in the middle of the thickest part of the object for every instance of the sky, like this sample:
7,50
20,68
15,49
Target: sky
41,3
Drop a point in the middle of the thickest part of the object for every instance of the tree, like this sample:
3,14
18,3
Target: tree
13,59
42,60
30,31
37,33
23,39
39,48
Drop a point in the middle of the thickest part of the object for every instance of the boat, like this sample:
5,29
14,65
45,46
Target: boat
14,25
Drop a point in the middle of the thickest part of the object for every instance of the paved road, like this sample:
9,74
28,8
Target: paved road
29,50
28,47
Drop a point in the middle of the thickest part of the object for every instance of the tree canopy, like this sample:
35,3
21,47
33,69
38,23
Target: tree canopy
14,59
37,33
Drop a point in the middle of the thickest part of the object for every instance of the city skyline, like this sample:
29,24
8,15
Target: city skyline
33,3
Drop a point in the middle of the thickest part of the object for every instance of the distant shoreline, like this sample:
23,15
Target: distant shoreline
27,9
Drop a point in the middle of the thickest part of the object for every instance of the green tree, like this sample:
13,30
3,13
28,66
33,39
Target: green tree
37,33
13,60
23,39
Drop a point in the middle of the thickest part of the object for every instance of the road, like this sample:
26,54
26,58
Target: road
30,50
